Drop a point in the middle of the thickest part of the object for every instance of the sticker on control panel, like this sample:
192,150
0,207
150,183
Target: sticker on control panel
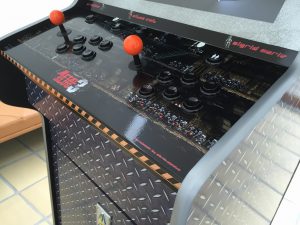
66,80
103,218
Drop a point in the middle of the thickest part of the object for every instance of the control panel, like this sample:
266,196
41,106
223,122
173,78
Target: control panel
185,88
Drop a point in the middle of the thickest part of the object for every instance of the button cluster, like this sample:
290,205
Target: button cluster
79,48
179,88
77,44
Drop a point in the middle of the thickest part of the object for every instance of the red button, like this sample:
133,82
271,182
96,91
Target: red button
133,45
57,17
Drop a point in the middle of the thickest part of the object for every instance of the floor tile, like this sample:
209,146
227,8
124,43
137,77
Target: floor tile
50,219
42,153
39,196
43,223
12,150
34,140
15,211
24,172
5,191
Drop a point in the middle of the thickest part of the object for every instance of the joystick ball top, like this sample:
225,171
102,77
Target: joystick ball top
133,45
57,17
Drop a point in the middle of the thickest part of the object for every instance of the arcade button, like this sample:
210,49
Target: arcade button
78,49
116,26
90,18
165,77
189,79
210,88
200,47
171,93
214,59
105,45
95,40
146,91
192,104
88,55
62,48
79,39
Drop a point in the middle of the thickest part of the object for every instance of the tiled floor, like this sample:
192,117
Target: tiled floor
24,191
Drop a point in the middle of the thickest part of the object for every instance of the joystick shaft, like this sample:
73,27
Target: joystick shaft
57,18
137,60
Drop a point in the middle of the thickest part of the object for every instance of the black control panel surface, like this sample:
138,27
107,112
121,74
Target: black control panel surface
174,107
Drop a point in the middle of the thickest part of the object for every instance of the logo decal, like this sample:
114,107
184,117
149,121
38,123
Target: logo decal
141,17
69,82
103,218
94,5
228,42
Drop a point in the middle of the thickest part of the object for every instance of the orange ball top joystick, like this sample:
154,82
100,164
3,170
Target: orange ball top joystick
57,18
133,45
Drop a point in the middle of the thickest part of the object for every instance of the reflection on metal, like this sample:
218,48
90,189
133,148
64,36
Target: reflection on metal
135,128
289,209
248,187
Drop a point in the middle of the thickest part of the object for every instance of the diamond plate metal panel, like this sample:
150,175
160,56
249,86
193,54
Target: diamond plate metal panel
137,191
79,196
248,186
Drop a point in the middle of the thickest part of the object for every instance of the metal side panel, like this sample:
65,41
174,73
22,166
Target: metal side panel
288,212
248,187
92,169
241,166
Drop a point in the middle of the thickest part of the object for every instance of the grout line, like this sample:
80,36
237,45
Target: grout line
32,206
10,187
31,152
6,198
34,183
41,221
34,152
50,219
18,193
16,160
